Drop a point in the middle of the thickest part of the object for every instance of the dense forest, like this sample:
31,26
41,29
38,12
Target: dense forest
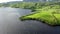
28,5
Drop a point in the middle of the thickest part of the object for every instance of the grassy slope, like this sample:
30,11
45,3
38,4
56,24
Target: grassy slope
49,15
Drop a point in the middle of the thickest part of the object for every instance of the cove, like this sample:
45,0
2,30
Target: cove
10,23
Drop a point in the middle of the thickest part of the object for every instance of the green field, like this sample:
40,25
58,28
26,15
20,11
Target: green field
48,14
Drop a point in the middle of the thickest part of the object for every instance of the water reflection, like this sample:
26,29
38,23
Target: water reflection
9,17
10,23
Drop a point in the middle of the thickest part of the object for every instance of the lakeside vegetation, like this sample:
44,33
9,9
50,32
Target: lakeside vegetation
48,13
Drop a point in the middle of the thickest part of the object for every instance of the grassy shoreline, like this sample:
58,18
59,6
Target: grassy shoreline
48,15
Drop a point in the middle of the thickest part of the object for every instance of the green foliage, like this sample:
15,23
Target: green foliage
49,14
32,5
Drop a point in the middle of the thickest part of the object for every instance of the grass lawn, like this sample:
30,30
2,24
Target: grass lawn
46,15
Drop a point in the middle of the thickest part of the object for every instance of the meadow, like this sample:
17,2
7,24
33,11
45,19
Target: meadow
49,14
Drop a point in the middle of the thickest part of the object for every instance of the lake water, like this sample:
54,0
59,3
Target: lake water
10,23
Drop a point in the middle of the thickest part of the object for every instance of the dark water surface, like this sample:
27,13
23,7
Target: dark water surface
10,23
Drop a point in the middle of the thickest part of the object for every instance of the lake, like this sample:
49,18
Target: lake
10,23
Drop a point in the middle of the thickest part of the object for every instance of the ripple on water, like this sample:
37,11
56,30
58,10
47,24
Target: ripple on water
10,23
